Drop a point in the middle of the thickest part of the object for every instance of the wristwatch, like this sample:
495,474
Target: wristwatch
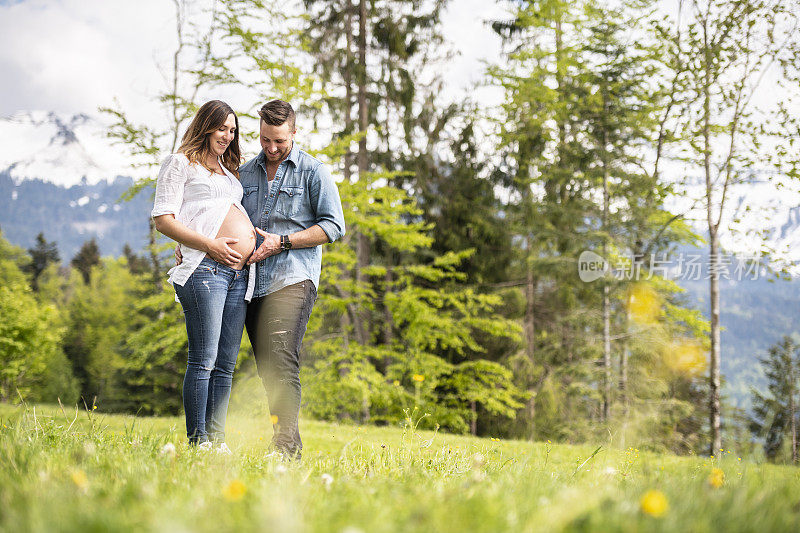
286,244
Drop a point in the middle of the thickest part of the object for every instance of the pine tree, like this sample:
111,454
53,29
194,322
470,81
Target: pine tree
42,254
775,414
136,264
86,258
464,212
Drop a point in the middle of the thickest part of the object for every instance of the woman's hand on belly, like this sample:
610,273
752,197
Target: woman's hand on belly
222,251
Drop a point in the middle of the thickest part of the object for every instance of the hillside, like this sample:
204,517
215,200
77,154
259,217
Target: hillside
756,314
79,471
73,215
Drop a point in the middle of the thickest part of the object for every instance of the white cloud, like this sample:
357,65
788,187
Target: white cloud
74,55
466,25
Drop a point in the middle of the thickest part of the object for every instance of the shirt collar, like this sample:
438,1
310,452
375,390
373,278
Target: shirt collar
294,155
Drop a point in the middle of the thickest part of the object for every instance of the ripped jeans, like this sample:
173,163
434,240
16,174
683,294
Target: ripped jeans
276,324
213,303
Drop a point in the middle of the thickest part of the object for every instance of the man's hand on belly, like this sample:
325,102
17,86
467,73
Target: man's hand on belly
270,246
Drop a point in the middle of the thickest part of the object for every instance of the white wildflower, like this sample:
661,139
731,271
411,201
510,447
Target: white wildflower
168,449
478,461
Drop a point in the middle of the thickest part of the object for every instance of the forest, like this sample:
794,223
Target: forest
456,292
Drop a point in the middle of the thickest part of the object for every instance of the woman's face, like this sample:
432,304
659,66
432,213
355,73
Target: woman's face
220,139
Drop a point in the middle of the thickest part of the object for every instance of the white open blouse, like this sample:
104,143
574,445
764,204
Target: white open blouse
200,200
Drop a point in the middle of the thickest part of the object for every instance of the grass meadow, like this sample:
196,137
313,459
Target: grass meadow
68,470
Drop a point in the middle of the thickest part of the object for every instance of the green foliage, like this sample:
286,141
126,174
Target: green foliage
426,312
156,345
582,134
776,413
42,254
32,365
99,314
126,340
86,258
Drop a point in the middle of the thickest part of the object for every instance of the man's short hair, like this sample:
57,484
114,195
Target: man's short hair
276,112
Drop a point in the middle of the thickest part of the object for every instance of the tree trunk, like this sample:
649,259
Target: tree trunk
606,290
606,353
473,425
714,375
344,320
348,87
530,331
793,415
623,361
362,245
530,294
155,264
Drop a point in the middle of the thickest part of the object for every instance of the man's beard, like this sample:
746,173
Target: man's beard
280,156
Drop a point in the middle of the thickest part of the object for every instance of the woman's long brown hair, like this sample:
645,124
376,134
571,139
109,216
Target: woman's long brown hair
195,144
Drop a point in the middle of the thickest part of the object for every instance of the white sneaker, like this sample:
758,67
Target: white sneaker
223,449
204,446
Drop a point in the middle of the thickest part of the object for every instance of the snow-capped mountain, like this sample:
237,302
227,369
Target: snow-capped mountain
761,215
60,149
62,176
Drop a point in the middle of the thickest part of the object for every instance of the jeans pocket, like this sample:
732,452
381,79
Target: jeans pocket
206,269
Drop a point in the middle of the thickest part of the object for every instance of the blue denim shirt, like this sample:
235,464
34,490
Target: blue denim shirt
302,194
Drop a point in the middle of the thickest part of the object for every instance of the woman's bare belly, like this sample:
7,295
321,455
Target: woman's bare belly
238,226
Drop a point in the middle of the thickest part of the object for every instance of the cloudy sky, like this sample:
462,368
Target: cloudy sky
72,56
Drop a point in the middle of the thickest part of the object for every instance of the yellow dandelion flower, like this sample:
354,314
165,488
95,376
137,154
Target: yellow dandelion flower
234,491
274,419
418,377
80,479
654,503
717,478
396,383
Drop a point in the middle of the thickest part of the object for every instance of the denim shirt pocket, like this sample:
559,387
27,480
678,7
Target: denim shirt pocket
290,200
250,199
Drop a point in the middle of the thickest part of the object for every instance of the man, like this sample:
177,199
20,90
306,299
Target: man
294,205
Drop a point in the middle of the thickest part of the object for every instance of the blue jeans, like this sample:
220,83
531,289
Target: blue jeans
214,306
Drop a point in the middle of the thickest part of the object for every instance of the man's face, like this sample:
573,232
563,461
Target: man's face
276,141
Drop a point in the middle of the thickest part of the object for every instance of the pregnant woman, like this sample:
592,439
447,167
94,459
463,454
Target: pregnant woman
198,203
